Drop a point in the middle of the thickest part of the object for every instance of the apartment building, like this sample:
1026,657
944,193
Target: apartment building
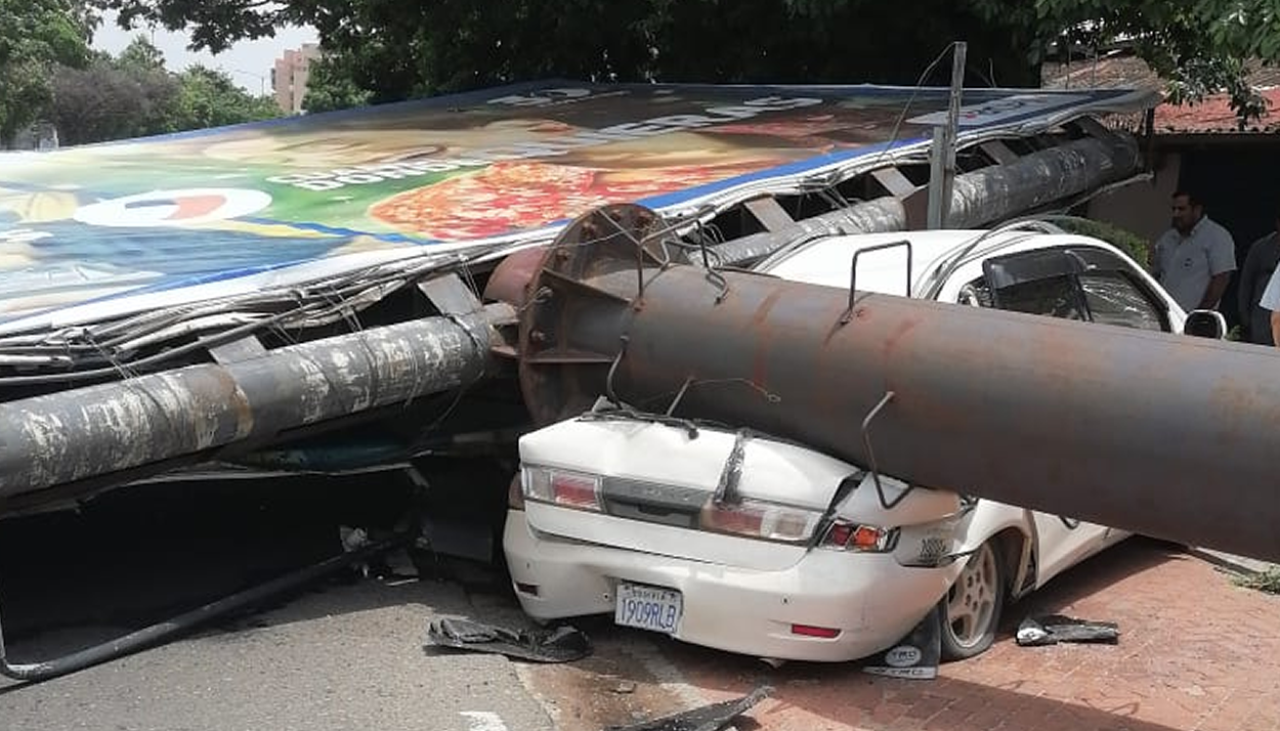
289,76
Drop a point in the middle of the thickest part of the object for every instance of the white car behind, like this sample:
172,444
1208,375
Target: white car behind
749,544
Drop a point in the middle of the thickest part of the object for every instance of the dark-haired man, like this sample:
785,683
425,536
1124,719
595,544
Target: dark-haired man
1194,259
1261,262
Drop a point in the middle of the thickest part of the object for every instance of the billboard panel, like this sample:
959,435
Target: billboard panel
103,230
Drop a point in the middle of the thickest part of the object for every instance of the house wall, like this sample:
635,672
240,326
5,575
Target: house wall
1143,207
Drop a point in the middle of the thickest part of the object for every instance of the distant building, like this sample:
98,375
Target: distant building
289,76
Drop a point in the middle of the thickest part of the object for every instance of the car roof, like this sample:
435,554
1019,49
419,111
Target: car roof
828,260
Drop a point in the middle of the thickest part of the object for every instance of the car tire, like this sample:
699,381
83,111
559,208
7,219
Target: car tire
971,608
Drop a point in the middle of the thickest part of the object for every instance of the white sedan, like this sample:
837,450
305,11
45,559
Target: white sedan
752,545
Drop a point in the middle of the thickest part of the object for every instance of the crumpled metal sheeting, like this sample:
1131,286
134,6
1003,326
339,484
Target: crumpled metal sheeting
713,717
563,644
1055,628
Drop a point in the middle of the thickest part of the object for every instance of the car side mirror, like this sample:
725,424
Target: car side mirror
1205,324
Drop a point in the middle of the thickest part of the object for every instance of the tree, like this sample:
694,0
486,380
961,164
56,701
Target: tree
394,49
134,95
331,85
209,98
1198,46
114,98
34,36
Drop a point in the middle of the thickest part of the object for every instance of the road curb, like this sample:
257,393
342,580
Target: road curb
1232,562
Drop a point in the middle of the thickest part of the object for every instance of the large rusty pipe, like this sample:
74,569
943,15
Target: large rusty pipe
1162,434
98,430
979,198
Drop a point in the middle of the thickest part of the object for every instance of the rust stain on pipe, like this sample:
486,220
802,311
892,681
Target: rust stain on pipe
1161,434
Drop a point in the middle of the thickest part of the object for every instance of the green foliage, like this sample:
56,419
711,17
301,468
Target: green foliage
330,87
133,95
1127,241
113,98
396,50
393,50
35,35
209,98
1267,581
1197,46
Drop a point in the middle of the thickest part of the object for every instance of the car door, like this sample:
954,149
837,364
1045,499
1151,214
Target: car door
1077,283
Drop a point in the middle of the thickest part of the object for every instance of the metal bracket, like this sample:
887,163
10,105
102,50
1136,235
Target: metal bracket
999,152
871,454
450,295
235,351
613,369
898,185
769,213
853,273
727,489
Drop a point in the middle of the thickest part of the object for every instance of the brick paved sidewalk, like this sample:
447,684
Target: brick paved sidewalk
1196,653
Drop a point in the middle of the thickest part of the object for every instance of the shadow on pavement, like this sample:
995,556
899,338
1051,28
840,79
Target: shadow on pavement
134,557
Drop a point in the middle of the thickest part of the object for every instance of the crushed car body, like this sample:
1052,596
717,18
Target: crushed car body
1059,414
674,525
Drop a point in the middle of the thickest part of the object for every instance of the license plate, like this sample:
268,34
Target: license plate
647,607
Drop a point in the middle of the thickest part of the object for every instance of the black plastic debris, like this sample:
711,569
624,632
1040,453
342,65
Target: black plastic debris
1055,628
707,718
916,656
563,644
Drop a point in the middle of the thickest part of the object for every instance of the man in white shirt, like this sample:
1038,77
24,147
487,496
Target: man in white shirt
1271,301
1194,259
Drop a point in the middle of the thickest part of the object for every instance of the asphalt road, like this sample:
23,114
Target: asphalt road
1196,651
346,653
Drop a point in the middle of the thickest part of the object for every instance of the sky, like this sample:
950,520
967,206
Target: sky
248,62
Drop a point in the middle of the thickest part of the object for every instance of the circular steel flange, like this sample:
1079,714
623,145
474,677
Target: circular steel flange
589,278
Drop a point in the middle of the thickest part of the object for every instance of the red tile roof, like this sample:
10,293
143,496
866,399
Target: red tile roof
1212,115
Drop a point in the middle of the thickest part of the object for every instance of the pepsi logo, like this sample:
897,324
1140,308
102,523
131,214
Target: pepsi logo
174,207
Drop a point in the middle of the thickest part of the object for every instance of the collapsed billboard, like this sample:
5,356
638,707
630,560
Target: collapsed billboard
105,230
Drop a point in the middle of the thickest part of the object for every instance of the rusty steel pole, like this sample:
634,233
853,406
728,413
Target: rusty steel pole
98,430
1165,435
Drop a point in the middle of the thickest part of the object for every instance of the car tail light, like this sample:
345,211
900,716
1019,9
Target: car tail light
844,535
561,487
755,519
807,630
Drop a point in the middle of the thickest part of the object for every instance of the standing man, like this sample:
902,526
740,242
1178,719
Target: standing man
1263,257
1194,259
1271,301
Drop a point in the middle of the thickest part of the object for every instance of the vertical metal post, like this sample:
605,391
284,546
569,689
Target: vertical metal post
942,169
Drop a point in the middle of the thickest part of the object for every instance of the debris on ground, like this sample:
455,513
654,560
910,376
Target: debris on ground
393,566
713,717
1055,628
563,644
